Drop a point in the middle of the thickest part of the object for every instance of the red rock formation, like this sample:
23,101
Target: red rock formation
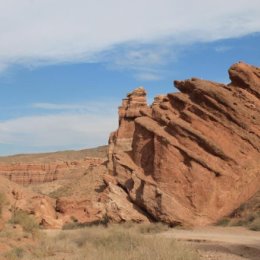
39,172
90,200
194,156
19,198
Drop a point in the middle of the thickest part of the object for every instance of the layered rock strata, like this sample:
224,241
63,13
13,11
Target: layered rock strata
191,157
40,172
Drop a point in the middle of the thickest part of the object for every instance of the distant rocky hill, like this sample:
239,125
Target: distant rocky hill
45,167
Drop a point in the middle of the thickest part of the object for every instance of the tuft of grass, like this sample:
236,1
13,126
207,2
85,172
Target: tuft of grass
27,222
223,222
152,228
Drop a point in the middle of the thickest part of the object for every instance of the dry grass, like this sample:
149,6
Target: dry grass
250,220
61,192
2,202
16,253
116,242
152,228
27,222
255,224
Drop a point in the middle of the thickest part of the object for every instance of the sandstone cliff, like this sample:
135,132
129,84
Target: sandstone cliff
191,157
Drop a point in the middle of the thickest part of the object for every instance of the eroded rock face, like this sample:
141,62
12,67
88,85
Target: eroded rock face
96,198
40,206
193,156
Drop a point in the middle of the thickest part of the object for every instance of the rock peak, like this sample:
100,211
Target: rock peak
245,76
137,92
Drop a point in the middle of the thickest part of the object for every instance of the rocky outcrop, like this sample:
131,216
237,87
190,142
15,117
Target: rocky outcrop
94,198
40,206
191,157
39,172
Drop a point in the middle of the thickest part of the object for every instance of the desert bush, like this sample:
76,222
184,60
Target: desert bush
249,220
26,221
74,224
255,225
14,254
223,222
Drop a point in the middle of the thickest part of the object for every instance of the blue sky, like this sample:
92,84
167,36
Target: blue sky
66,65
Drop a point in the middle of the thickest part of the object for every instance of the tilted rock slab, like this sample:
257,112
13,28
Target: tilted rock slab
191,157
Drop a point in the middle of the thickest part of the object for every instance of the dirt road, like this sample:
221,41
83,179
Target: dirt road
221,243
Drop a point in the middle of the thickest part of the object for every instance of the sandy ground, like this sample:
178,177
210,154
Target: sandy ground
221,243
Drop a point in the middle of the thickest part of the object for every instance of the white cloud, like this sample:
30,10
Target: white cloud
97,107
62,126
58,130
35,32
53,106
147,76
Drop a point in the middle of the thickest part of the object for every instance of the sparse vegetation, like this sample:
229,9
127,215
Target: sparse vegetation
2,202
61,192
14,254
27,222
115,242
223,222
255,224
152,228
249,220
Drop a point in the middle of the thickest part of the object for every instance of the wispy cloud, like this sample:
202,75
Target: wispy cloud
52,106
147,76
223,48
61,126
97,107
57,130
34,33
